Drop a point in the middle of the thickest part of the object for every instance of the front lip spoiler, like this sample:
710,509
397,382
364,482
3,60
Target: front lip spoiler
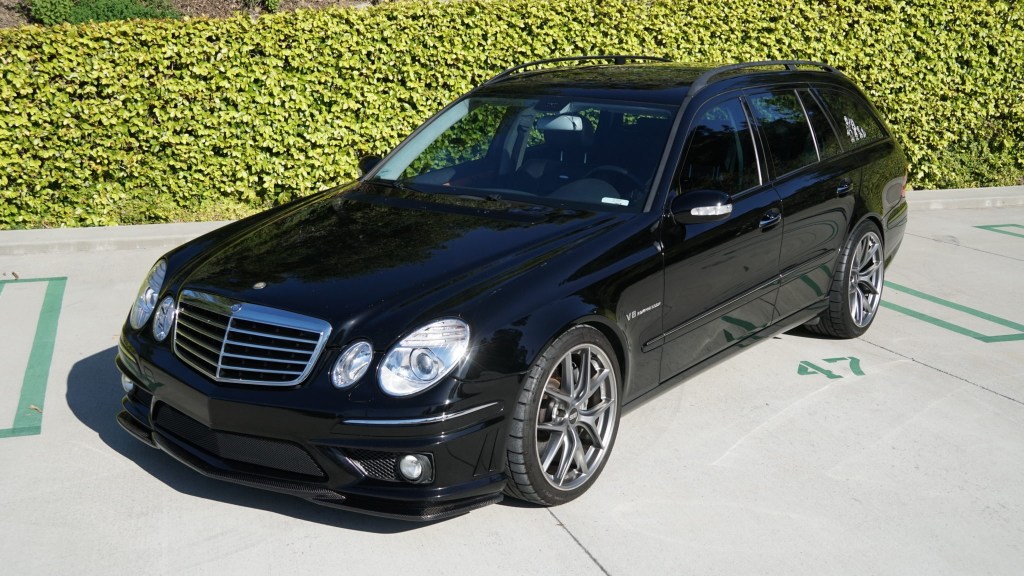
414,421
136,429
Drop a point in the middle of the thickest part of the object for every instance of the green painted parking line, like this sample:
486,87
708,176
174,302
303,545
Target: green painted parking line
998,228
958,307
28,420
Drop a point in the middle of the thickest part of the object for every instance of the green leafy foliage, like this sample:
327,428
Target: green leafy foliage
50,12
148,121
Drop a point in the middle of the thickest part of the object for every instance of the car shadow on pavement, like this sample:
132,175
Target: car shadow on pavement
804,332
94,396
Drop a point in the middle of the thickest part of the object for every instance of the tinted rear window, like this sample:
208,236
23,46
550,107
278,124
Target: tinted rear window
857,125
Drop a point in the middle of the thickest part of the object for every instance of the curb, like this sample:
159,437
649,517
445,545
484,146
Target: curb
997,197
101,238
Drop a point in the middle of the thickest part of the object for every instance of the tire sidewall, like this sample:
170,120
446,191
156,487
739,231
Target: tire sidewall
531,398
851,328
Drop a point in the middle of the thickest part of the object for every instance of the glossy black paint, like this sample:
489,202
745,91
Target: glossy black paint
377,261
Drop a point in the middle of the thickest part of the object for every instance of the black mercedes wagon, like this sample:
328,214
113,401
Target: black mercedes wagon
470,318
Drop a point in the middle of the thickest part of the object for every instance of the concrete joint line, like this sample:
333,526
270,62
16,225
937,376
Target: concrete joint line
578,543
941,371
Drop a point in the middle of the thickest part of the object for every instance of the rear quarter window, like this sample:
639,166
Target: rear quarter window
856,123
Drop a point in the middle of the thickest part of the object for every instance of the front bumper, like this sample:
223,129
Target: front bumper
292,442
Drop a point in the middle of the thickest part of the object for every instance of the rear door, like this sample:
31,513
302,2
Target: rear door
816,183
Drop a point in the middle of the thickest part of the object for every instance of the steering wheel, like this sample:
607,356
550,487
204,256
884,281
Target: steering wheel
619,175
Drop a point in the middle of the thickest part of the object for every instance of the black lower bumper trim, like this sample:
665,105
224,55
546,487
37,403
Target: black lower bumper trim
398,509
299,489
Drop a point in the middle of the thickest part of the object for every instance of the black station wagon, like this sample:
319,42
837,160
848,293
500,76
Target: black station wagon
470,317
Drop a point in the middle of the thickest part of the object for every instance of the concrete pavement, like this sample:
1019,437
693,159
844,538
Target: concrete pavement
901,452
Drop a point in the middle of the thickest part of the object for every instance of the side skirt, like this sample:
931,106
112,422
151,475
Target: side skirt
792,321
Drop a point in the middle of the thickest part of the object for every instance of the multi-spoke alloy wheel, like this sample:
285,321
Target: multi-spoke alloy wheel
566,419
866,272
576,417
856,286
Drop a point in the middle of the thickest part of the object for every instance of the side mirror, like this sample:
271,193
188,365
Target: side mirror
367,163
698,206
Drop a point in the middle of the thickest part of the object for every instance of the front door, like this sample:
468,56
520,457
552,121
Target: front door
721,278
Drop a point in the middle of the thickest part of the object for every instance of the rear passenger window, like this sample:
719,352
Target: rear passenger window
828,142
785,127
857,125
720,155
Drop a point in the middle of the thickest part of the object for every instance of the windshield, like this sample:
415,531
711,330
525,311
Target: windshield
598,155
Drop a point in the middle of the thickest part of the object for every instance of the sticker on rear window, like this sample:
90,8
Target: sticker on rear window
619,201
853,131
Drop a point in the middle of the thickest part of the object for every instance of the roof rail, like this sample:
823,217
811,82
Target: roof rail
705,78
614,58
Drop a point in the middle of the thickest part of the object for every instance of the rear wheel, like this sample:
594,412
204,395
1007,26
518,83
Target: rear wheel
566,419
856,290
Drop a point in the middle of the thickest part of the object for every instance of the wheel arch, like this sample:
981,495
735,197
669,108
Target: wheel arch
573,317
616,339
872,217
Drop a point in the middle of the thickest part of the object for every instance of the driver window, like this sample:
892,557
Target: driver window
720,154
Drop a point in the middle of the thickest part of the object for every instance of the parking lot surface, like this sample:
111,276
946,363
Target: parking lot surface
901,452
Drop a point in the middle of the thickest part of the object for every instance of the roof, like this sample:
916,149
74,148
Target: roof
656,82
660,82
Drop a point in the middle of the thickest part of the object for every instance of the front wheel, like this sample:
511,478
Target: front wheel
566,419
856,290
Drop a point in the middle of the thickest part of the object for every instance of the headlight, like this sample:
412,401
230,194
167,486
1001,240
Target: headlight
164,319
424,357
145,302
352,364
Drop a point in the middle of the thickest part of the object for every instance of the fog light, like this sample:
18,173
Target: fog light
415,468
126,384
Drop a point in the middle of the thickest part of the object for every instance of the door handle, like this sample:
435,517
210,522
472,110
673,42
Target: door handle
845,187
770,218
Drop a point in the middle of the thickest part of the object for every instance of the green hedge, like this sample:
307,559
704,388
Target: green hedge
146,121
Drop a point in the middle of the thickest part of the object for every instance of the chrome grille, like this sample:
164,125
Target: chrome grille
244,343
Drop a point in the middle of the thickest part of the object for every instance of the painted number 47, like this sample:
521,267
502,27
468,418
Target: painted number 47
809,368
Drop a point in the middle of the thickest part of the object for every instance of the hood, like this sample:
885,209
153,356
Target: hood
342,255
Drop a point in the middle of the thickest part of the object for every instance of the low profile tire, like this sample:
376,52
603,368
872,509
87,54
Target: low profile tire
565,421
856,290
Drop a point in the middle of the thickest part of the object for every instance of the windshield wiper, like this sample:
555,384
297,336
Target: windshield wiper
495,197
